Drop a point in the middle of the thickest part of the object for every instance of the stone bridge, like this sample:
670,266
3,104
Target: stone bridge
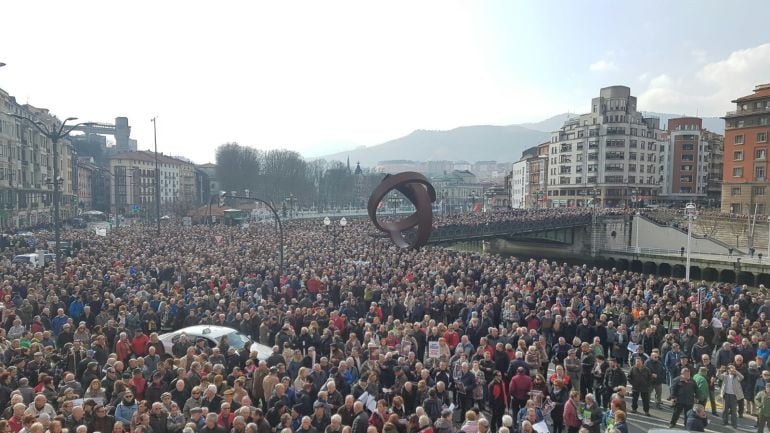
610,241
568,231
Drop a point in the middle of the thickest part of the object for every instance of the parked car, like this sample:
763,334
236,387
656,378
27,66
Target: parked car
212,334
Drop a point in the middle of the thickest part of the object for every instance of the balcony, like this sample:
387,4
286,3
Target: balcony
761,110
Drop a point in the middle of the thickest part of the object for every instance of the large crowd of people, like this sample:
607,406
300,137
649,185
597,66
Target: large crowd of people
364,338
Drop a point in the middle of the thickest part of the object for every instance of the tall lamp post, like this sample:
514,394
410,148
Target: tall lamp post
291,199
690,211
394,201
54,134
636,229
768,236
447,207
224,194
334,233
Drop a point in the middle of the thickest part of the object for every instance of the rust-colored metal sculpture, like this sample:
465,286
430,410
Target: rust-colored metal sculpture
418,190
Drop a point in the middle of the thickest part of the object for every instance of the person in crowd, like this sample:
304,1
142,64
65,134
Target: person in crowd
352,324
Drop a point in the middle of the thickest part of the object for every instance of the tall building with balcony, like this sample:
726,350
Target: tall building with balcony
26,168
610,153
529,178
133,183
716,146
685,156
744,178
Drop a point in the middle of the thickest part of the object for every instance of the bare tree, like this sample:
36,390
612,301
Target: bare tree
707,226
738,229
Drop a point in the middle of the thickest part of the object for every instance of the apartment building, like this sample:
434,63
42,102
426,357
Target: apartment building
744,177
610,152
133,183
685,156
26,167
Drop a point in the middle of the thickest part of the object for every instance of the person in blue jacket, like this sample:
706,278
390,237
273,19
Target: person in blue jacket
125,410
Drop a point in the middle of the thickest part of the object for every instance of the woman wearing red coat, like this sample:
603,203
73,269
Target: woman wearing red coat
498,400
571,408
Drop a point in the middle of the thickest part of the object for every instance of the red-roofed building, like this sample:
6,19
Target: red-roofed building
745,185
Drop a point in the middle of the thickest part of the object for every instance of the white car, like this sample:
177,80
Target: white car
212,334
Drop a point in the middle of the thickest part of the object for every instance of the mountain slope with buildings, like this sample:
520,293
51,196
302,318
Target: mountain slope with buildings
476,143
471,143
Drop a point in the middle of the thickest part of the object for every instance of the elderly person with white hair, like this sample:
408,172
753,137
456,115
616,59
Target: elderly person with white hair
592,414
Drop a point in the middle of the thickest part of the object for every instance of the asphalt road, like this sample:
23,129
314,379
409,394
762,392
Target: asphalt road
660,418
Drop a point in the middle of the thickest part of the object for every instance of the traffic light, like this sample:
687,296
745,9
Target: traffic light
222,195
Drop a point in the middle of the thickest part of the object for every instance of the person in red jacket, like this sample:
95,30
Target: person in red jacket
123,347
519,388
498,397
452,337
139,343
571,408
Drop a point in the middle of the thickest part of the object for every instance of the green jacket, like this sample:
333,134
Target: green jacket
763,401
702,384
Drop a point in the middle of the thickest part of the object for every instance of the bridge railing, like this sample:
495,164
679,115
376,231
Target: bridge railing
486,230
660,251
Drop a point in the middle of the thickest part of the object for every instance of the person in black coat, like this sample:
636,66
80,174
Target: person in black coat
683,392
361,420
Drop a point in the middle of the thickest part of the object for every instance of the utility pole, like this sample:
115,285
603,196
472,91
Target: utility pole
54,133
157,176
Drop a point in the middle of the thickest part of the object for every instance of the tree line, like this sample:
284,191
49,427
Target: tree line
275,175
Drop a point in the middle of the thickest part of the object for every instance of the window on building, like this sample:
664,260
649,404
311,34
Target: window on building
739,139
760,154
735,208
738,172
759,173
761,137
735,191
758,190
738,155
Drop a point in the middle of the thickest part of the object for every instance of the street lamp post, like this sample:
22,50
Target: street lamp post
768,236
690,212
394,201
291,199
334,233
636,229
224,194
54,134
447,207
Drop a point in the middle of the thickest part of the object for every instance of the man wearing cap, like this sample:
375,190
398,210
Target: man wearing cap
320,419
83,364
228,397
155,389
137,383
196,417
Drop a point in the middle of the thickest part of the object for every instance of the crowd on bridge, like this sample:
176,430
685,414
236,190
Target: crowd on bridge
364,338
521,216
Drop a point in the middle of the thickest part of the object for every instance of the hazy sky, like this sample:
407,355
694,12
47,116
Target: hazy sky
320,76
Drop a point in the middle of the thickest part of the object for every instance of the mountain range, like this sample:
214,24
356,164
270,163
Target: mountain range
475,143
